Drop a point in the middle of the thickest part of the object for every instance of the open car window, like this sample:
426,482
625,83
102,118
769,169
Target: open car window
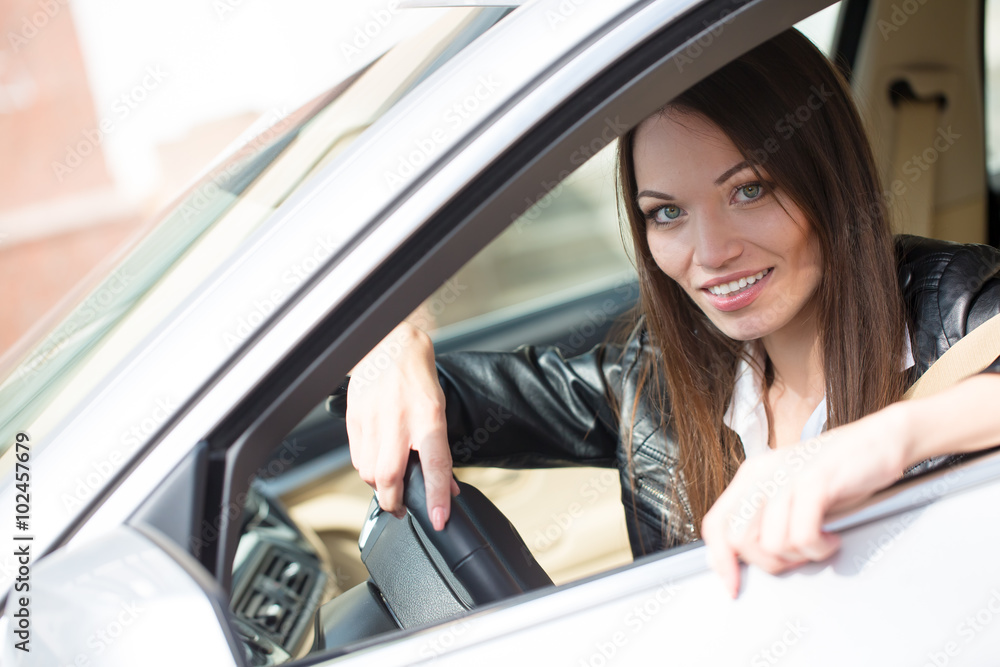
558,275
43,382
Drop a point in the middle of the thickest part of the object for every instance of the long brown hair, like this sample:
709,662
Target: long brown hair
787,110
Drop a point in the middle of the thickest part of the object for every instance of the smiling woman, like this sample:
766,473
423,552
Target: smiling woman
723,246
766,263
751,194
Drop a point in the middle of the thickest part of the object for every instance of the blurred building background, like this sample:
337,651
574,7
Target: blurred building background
110,108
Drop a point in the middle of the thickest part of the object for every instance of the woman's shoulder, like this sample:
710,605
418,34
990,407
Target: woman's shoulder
949,289
923,262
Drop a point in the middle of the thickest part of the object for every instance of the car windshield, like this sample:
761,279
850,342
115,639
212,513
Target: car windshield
45,377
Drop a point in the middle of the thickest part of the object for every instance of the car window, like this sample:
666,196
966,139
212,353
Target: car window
821,27
566,244
206,225
991,42
562,260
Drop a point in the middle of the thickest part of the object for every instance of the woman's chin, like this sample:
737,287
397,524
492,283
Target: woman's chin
749,329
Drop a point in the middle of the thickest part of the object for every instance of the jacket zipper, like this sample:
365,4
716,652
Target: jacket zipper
665,503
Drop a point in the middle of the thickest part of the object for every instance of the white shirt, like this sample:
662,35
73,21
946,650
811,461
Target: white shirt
747,417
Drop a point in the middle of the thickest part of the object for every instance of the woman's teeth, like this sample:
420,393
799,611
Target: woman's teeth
737,285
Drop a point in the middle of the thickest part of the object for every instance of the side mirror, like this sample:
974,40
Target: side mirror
127,598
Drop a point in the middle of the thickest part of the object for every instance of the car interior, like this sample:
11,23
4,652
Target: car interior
317,569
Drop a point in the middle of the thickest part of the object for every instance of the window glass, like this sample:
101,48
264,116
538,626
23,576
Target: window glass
821,27
992,82
566,246
567,243
206,225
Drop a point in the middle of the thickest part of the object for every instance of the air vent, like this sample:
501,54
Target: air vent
274,600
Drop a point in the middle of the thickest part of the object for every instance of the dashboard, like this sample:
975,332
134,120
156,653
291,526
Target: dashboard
279,582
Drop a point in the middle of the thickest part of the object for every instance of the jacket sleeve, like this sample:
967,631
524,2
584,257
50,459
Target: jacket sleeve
532,408
950,289
964,280
987,305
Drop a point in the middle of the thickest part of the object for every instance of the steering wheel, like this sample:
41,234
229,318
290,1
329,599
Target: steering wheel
478,544
478,549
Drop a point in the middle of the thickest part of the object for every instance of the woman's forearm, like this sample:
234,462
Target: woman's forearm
963,418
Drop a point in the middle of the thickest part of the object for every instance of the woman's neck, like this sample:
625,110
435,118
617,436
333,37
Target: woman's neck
796,356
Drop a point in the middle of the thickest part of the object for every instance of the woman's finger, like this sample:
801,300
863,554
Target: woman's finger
360,455
717,530
805,528
724,562
435,462
393,455
773,538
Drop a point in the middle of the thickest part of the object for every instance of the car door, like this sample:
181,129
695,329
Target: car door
629,615
623,64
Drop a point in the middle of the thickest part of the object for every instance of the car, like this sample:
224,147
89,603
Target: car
176,473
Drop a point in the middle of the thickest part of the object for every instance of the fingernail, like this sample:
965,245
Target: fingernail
437,518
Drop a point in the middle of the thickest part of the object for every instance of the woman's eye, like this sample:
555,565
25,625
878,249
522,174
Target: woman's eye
665,214
749,192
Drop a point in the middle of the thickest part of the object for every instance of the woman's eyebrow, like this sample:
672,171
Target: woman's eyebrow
732,170
736,168
653,193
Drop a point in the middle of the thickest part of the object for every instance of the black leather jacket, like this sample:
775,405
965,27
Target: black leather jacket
532,408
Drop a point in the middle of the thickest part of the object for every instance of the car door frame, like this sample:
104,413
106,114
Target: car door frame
622,94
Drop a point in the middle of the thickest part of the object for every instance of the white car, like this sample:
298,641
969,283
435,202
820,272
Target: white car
178,492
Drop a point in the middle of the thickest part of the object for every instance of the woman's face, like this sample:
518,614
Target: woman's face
719,231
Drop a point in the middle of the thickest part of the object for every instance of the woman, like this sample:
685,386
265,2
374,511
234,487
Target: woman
771,313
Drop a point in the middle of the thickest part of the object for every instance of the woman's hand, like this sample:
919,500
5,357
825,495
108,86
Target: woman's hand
771,515
394,405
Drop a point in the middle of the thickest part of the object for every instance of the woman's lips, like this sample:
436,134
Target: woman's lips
741,299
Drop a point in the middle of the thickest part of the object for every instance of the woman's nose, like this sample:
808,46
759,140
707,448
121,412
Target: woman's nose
716,242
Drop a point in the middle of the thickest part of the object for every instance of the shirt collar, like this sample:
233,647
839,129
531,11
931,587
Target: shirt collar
746,415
